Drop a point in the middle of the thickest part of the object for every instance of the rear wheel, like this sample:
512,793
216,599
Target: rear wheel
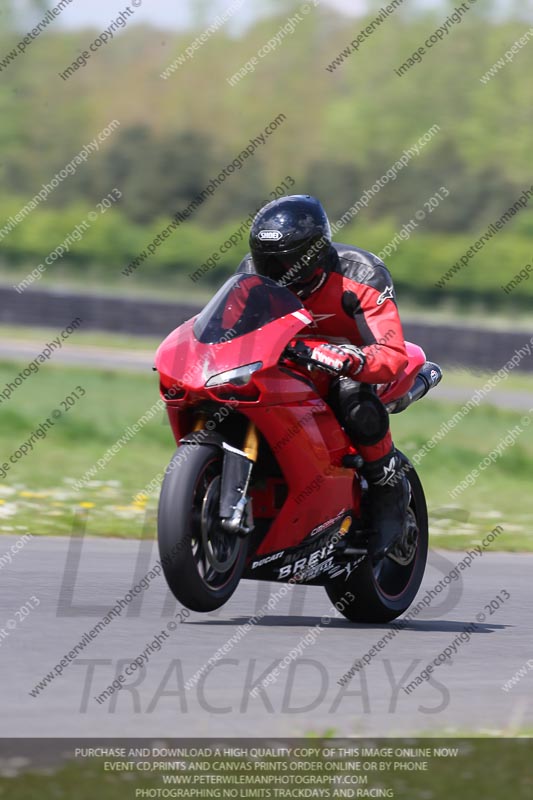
385,590
202,562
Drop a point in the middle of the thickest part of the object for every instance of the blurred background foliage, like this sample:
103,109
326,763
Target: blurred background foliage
344,129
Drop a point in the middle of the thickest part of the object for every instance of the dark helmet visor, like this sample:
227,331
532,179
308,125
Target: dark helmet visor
289,269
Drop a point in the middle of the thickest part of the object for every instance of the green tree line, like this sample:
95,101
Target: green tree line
345,128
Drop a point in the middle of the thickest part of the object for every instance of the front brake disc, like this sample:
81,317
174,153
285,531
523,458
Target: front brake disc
221,549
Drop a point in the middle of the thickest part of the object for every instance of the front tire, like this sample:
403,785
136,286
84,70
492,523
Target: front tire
201,562
385,590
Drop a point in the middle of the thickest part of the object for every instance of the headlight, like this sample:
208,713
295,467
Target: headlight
237,377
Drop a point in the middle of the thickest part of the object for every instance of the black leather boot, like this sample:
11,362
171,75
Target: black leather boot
388,498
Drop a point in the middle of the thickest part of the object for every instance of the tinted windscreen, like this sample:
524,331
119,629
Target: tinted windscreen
244,304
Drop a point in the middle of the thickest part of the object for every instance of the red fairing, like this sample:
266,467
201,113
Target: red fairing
308,444
287,409
345,309
184,362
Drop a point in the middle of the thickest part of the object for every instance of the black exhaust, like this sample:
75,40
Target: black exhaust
429,376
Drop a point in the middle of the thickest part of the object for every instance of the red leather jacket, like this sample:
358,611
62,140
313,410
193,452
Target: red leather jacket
356,303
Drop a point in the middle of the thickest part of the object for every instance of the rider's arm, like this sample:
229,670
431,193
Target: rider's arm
380,337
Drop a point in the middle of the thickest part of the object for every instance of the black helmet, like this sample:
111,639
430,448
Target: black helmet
289,241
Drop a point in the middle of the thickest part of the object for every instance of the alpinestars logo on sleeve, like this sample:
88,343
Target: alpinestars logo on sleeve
386,294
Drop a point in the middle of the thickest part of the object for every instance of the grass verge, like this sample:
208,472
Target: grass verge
38,494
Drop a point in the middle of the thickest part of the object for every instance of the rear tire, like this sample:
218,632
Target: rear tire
201,562
384,591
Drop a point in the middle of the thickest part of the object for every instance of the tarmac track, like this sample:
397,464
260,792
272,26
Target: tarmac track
76,581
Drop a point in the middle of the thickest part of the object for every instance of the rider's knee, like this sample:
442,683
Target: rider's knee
363,414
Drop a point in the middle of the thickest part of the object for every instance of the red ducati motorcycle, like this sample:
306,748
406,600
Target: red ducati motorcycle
264,483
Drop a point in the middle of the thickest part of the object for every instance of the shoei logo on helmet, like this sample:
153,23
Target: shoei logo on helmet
270,236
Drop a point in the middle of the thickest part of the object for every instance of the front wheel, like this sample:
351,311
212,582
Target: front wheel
385,590
202,562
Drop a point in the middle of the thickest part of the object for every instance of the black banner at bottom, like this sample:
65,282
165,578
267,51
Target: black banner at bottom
131,769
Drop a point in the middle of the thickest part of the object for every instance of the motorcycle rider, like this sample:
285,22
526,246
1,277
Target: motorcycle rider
351,296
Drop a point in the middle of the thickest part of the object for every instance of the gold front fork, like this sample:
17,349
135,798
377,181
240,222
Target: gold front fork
200,423
251,442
